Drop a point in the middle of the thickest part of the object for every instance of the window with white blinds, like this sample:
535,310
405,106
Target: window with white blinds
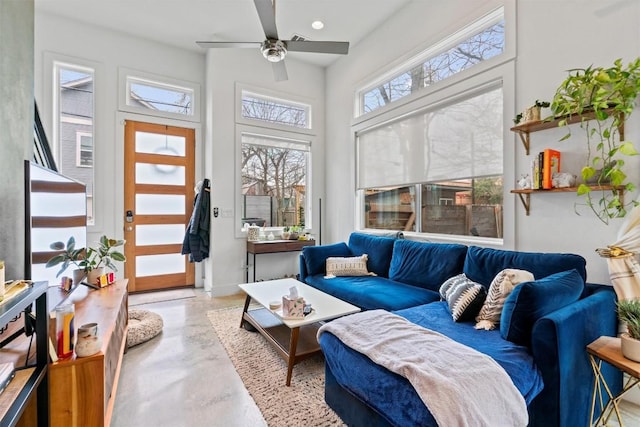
462,140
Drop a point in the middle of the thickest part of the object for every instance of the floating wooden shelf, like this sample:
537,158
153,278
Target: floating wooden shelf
525,194
524,129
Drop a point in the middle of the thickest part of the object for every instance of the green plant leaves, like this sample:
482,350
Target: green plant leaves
603,98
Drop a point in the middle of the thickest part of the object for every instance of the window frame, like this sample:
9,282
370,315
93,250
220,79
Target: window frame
408,61
52,64
285,98
79,150
448,94
304,140
126,76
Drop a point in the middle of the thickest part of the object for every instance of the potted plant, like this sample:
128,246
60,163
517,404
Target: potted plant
285,233
68,255
294,232
533,113
102,256
629,313
603,98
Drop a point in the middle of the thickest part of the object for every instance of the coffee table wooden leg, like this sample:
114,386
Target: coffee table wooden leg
293,345
246,307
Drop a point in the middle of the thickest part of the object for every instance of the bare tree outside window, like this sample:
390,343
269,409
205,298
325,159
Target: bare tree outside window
274,170
480,47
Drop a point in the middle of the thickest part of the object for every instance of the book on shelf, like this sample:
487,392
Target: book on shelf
551,165
7,372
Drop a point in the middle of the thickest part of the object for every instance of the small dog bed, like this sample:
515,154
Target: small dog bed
143,325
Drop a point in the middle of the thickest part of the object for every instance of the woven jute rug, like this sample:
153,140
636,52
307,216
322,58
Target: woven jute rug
264,373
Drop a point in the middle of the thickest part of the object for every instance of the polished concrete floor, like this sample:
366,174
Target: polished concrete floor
182,377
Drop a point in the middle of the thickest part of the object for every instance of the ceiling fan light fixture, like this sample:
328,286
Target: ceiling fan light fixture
274,50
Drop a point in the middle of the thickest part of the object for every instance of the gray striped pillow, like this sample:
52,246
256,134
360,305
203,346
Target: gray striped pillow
463,296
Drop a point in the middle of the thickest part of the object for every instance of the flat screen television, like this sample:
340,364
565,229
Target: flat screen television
55,209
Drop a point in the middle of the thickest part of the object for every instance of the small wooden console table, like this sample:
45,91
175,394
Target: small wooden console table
272,247
608,349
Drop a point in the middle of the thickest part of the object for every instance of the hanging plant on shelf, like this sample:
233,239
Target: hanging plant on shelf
603,99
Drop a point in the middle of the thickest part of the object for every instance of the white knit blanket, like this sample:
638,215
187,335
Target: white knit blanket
459,385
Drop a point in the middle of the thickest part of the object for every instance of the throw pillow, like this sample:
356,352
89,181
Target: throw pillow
501,287
533,300
463,296
347,266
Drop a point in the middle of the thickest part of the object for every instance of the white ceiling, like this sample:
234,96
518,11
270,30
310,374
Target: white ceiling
181,22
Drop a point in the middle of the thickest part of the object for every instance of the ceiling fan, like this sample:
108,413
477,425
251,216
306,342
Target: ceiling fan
274,49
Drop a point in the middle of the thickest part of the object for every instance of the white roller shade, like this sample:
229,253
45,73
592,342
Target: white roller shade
457,141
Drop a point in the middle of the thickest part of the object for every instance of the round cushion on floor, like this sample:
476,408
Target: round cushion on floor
143,325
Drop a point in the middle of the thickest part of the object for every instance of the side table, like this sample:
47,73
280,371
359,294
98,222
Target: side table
272,247
608,349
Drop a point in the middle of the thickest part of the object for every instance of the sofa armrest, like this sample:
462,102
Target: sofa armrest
303,268
559,342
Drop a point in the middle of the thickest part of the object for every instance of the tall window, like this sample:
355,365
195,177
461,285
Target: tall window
75,108
275,153
436,171
474,44
274,180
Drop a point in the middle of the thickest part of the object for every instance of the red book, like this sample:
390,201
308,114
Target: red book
551,165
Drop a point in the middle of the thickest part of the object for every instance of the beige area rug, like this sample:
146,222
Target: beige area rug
264,373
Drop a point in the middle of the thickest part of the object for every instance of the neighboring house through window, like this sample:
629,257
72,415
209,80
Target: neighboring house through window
74,108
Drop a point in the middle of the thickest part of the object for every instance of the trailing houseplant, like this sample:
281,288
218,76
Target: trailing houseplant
629,314
608,95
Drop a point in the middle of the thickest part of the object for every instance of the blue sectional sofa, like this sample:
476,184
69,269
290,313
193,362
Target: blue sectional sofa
548,362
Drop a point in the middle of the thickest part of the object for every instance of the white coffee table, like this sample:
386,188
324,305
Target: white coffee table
294,339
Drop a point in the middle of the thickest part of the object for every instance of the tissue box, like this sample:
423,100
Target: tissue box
293,307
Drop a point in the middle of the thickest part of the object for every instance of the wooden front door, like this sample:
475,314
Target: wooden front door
158,201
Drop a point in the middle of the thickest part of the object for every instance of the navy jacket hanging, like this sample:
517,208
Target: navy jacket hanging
196,238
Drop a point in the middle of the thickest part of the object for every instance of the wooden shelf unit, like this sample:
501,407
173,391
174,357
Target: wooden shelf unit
24,401
82,390
524,129
525,194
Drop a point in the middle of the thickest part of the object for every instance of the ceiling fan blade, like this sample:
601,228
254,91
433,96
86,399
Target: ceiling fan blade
267,14
341,48
279,71
228,44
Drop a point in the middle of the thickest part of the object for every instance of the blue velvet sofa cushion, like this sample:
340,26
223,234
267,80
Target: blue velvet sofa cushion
482,264
531,301
378,248
383,389
315,256
426,265
372,292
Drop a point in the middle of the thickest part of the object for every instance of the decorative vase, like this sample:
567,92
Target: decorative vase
630,347
285,235
88,342
93,276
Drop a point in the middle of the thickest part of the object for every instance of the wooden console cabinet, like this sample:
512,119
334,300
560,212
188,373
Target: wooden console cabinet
82,391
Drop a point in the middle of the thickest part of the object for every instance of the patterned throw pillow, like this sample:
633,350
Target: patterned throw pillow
464,297
501,287
349,266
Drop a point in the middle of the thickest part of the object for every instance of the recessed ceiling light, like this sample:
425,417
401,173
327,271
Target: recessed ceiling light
317,25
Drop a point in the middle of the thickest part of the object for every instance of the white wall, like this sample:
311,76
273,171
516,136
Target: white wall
225,68
552,36
16,124
110,50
